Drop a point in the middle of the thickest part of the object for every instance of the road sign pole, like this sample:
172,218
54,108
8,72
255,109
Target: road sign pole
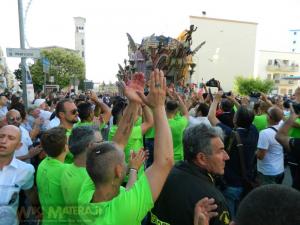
23,59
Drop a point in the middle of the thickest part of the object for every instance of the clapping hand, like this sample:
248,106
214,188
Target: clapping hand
157,94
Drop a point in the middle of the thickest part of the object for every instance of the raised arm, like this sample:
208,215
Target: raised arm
163,145
213,109
282,134
101,108
147,119
127,122
183,109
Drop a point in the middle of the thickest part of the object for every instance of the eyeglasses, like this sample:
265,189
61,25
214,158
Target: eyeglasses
12,119
74,111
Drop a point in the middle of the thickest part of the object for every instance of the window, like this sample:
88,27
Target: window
82,41
82,54
290,91
293,50
294,42
295,33
270,61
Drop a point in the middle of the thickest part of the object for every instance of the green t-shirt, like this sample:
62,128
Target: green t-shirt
150,133
71,183
135,140
81,124
295,132
177,126
128,208
69,157
135,143
48,181
260,122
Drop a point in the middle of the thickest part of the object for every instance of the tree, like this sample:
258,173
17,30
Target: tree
18,75
246,85
65,66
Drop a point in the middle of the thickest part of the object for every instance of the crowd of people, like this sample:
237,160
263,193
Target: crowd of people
164,156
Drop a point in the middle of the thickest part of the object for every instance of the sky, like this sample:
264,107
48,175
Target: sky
50,22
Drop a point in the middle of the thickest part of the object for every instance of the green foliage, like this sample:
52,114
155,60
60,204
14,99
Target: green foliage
246,85
65,66
18,75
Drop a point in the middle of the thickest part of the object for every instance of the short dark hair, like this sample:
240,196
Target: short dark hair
100,162
270,205
244,117
117,109
54,140
60,107
198,139
203,108
84,110
171,105
226,105
80,138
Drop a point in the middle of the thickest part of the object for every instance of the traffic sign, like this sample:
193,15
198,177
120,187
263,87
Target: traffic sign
26,53
46,65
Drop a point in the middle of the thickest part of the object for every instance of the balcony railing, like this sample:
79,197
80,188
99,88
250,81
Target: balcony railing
283,68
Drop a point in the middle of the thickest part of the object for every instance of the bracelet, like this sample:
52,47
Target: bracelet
133,169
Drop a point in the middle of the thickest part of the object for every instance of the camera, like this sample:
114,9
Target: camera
296,107
212,83
226,94
255,94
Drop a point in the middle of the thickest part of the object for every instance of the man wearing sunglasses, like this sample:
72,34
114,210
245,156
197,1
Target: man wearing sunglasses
25,152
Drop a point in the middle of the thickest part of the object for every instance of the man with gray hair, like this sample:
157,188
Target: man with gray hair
193,179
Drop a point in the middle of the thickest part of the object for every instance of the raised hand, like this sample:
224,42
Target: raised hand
157,95
204,211
135,85
137,159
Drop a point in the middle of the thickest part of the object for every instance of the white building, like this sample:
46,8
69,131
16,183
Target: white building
282,67
80,36
229,50
295,40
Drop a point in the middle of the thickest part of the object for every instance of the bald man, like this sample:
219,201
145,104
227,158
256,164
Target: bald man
24,152
270,163
15,175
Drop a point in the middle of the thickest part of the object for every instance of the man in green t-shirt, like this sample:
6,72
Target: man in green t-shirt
261,120
107,168
67,113
94,113
135,140
49,172
81,139
178,121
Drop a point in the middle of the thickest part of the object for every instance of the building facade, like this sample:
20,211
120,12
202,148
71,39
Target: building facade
229,50
282,68
295,41
80,36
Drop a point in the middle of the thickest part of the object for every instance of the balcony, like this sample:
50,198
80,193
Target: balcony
282,68
285,82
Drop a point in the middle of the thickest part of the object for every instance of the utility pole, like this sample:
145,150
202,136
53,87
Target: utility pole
23,59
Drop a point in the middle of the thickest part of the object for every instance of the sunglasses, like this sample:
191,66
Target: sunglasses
74,111
11,119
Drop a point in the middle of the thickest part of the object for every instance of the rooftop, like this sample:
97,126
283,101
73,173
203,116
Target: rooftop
223,20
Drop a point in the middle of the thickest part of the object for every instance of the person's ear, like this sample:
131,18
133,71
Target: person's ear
19,145
118,171
201,159
232,223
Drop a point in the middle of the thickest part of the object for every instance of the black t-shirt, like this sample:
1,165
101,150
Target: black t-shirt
185,186
295,148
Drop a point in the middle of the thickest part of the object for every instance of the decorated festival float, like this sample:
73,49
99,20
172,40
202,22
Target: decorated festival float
173,56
